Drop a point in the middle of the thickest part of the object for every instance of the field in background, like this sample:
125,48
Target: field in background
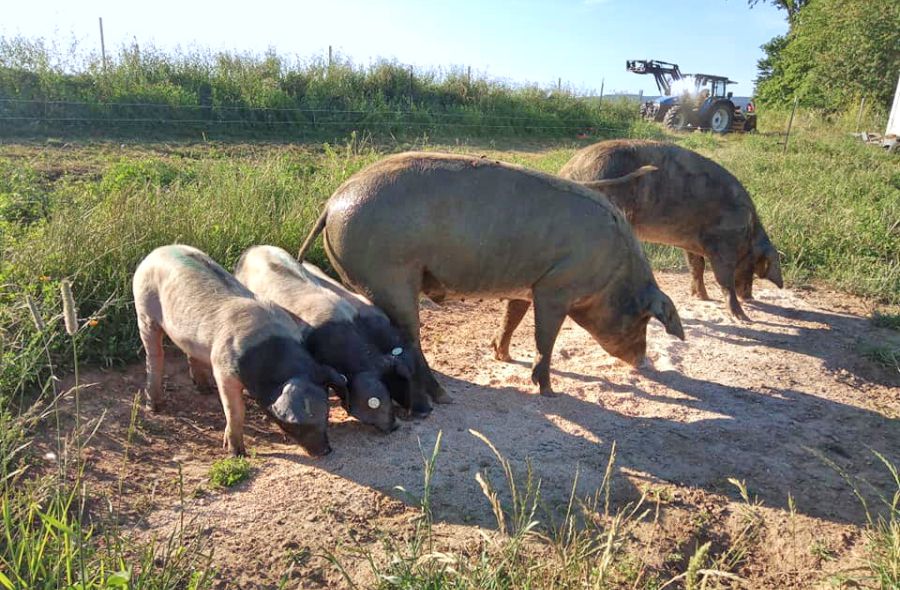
45,90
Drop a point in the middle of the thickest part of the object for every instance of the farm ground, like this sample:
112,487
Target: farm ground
763,402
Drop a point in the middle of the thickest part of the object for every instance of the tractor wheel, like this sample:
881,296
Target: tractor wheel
721,118
643,110
675,119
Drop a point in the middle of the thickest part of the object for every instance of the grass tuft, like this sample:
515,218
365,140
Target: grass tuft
881,319
228,472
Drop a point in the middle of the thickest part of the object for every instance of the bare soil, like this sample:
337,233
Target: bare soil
764,402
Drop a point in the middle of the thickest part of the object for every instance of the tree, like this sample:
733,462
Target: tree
836,51
792,7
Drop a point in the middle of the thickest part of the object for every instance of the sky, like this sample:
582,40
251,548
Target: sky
583,42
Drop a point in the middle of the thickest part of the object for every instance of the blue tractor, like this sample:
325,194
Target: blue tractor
693,101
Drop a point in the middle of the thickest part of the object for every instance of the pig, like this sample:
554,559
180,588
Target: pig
385,337
337,338
691,203
451,225
233,341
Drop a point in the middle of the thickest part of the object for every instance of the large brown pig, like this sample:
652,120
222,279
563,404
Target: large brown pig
233,341
337,337
448,225
691,203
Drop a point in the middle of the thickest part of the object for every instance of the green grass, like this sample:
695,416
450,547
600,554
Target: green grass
52,533
67,92
886,354
226,473
886,320
590,543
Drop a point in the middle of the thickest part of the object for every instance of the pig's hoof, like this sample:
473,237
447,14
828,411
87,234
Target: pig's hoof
547,392
501,354
153,407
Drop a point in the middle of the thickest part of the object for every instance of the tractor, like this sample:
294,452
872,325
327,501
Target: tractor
692,101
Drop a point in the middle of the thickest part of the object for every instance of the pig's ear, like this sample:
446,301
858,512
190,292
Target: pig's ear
662,308
334,381
391,363
291,406
773,272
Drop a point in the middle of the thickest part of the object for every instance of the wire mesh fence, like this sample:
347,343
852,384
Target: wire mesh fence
28,116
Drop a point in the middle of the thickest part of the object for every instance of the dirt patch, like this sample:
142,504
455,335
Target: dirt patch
762,402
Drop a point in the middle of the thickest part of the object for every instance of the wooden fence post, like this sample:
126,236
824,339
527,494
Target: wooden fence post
787,134
102,45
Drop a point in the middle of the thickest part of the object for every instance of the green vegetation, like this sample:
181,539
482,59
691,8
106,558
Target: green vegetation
53,532
45,89
835,52
886,320
886,354
590,544
229,472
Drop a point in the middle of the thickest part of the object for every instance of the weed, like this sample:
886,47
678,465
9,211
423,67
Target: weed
886,354
886,320
228,472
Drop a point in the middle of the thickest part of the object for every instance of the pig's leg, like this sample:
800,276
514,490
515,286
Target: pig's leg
202,376
230,393
743,281
697,265
723,270
515,311
399,301
152,338
549,314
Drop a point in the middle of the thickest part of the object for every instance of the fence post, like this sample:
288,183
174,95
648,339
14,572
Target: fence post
602,84
329,57
102,45
787,133
862,105
469,75
410,87
559,85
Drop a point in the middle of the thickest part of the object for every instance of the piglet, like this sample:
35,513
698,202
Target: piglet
339,336
234,342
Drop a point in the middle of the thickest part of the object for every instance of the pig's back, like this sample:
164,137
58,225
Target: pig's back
477,225
198,303
682,199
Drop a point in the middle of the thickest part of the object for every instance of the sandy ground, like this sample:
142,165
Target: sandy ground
761,402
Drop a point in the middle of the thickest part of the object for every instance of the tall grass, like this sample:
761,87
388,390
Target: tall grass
48,539
590,543
45,88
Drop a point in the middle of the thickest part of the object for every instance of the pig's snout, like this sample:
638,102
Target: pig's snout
315,443
633,352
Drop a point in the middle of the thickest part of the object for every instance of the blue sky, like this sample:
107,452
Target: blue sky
581,41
